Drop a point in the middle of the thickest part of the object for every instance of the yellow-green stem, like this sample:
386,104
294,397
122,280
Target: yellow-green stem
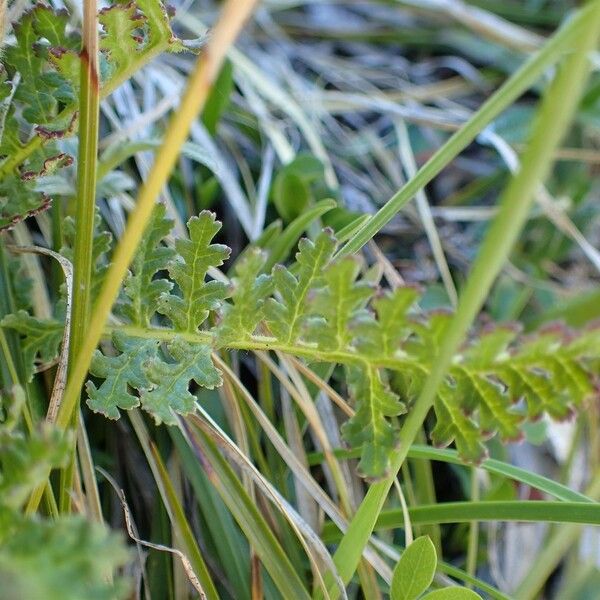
87,165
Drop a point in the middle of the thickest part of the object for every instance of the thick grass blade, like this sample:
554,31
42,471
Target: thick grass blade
491,465
468,512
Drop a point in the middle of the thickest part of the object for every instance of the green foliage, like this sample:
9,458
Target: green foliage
142,289
170,381
100,248
40,88
194,257
323,308
452,593
292,193
287,313
219,98
414,573
369,428
40,338
64,559
25,460
39,82
246,309
121,373
415,570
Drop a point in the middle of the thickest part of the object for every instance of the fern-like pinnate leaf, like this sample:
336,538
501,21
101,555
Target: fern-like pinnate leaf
246,310
142,289
322,308
170,381
141,371
288,312
40,338
121,374
39,89
188,270
370,428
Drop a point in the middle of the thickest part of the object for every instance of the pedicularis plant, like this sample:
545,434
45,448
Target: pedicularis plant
176,314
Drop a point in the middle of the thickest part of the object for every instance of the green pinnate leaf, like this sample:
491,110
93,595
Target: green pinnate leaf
453,424
41,338
287,314
194,258
121,373
338,304
142,290
321,308
369,428
250,287
121,24
415,570
170,381
384,332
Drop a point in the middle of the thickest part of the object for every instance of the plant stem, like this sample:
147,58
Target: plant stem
89,106
87,165
473,544
555,113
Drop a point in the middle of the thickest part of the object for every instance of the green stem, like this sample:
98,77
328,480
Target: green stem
555,113
473,543
87,165
89,107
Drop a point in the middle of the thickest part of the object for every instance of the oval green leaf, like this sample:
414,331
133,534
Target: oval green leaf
415,570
